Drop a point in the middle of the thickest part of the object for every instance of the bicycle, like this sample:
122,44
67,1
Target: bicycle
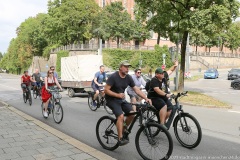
101,101
27,94
37,91
147,144
54,106
183,123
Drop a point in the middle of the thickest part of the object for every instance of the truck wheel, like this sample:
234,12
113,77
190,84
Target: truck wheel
71,92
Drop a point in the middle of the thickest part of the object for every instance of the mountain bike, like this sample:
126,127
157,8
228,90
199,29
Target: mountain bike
37,91
149,146
101,101
186,127
54,105
27,94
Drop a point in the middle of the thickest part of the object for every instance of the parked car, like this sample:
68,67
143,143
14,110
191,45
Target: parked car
235,84
211,73
233,74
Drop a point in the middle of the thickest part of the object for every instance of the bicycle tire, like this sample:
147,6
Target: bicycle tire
165,145
35,94
188,130
108,110
30,98
42,107
57,110
24,98
90,102
107,133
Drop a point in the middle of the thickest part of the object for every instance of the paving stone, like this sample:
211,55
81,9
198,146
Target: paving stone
5,145
49,144
10,135
82,156
7,140
75,150
50,139
63,158
61,142
63,146
1,151
47,149
22,138
63,153
25,158
13,149
9,156
36,146
37,136
18,144
28,153
45,156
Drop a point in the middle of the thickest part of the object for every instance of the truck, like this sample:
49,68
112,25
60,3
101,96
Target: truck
77,73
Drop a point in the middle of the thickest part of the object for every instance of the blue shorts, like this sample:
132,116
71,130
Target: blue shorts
37,84
119,106
95,87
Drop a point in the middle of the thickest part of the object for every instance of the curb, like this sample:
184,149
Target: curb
206,106
72,141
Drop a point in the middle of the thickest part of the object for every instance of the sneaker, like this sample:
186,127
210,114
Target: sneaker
94,104
45,114
122,142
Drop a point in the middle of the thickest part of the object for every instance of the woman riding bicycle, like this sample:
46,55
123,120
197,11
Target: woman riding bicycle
50,81
25,81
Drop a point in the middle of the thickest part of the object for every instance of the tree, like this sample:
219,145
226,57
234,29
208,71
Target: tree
232,36
115,23
1,56
208,16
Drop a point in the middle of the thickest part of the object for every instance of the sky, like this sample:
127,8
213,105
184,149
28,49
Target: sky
13,13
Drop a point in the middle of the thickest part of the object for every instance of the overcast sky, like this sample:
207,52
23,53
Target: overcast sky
13,13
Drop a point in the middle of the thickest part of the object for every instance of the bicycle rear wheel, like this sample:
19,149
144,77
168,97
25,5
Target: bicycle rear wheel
187,130
108,110
90,102
106,132
57,113
155,147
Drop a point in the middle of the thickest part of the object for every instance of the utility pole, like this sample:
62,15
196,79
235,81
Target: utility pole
100,47
177,74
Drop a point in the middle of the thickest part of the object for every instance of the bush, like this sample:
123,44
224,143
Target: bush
150,59
60,54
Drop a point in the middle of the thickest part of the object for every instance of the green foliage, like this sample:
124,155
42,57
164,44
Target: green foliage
150,59
60,54
1,56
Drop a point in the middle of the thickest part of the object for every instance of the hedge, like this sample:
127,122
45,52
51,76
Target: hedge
60,54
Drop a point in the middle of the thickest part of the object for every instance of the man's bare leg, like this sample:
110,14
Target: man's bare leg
162,114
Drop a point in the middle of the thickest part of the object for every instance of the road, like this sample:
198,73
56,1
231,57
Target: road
221,127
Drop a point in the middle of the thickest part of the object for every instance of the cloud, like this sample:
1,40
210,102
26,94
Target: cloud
13,13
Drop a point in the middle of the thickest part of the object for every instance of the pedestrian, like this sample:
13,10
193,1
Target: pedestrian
150,73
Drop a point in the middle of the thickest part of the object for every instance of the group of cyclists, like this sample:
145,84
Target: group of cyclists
36,81
157,88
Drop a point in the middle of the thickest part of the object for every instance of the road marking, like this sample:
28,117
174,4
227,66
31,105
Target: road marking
234,111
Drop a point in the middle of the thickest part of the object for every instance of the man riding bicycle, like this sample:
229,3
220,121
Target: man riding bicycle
160,99
37,79
115,97
25,81
139,81
97,85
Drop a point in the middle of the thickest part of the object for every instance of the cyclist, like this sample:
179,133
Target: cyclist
166,80
97,85
37,79
115,97
139,81
160,99
25,81
50,81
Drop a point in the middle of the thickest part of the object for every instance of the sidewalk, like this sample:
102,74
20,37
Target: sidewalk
25,138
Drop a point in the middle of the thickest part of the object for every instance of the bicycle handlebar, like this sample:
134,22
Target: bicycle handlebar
179,95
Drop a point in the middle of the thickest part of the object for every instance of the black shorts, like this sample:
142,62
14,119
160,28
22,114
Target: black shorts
119,106
159,103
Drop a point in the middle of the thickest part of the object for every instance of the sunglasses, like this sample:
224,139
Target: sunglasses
139,72
52,69
50,73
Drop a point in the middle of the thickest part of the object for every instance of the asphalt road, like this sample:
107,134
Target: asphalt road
220,127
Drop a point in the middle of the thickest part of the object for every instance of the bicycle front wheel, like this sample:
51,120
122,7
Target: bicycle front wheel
187,130
57,113
30,98
24,98
35,94
90,102
155,147
106,132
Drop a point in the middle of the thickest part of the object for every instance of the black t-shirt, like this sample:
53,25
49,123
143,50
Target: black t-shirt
36,76
118,84
156,83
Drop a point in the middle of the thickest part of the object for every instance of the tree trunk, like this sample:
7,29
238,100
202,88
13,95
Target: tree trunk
118,39
158,38
182,68
209,49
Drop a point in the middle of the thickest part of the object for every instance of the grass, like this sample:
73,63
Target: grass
199,99
194,78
